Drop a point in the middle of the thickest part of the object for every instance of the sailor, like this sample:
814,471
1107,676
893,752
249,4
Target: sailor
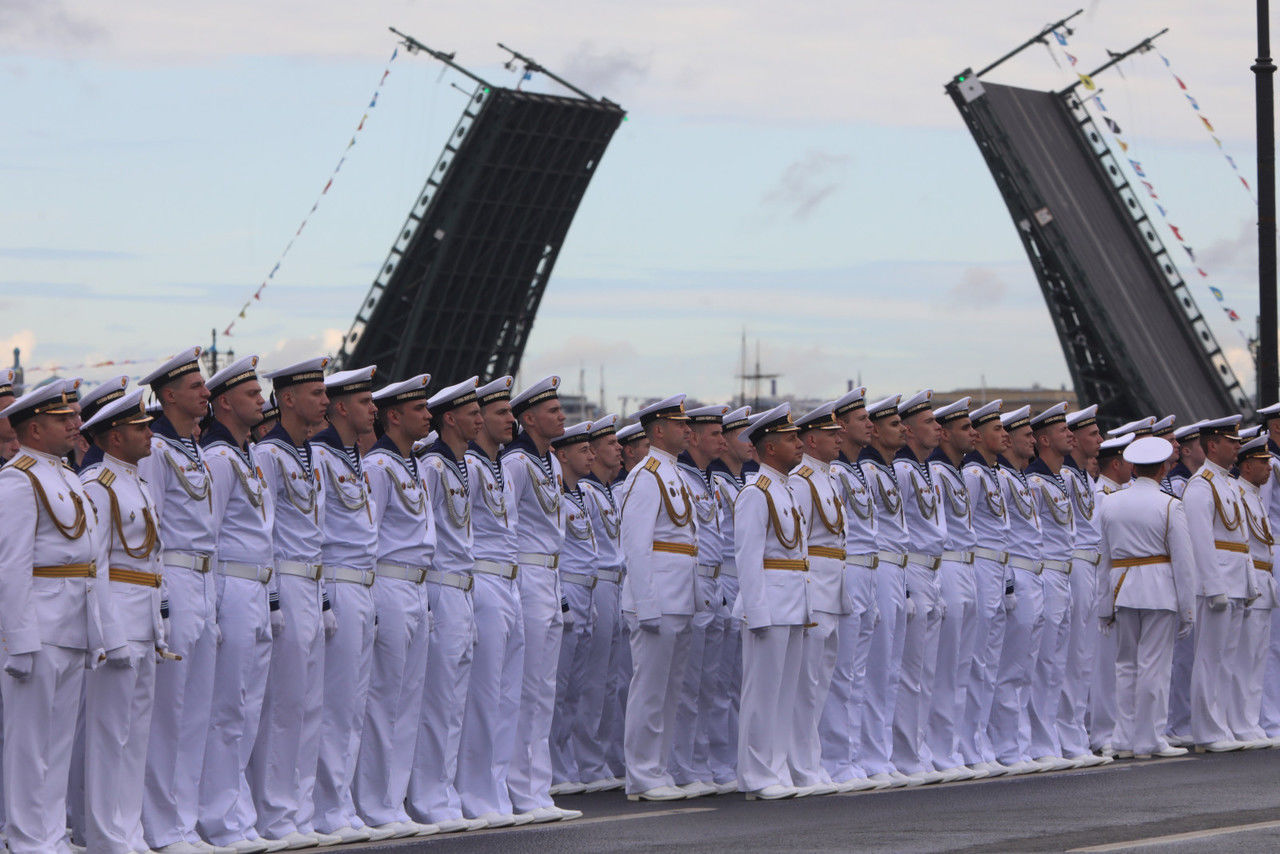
958,637
993,584
894,605
841,725
578,561
1190,458
349,550
1165,429
1053,443
926,528
1082,641
91,402
729,473
691,752
635,447
659,539
1219,539
1248,669
489,740
1147,590
534,474
49,619
248,613
596,738
1114,474
1270,714
282,770
1010,721
81,444
267,420
182,488
813,491
770,553
407,542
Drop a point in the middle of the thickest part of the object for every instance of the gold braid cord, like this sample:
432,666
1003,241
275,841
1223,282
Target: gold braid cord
1260,532
683,517
1217,505
774,522
836,528
79,524
150,537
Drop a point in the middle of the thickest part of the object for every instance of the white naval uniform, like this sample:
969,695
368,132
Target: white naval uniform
1179,731
840,727
119,700
773,603
691,751
884,660
54,616
991,576
244,512
1270,713
282,769
182,489
1147,584
958,636
349,549
813,490
1249,668
488,738
597,733
406,543
659,539
1102,689
1219,538
538,518
1058,531
1010,721
1082,640
723,725
578,561
927,531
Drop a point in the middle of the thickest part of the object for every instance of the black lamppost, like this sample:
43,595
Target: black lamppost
1263,69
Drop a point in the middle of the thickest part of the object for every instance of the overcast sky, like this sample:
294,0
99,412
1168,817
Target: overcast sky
792,169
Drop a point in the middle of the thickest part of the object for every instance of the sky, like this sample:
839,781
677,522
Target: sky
793,172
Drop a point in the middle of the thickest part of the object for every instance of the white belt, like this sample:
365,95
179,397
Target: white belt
197,561
312,571
992,555
929,562
499,568
1087,555
450,579
538,559
709,570
581,579
363,577
613,575
402,571
1063,566
895,558
729,570
958,557
251,571
869,561
1029,565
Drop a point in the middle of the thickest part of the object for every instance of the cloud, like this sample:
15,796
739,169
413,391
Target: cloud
1236,253
25,340
805,184
56,253
47,23
604,72
979,287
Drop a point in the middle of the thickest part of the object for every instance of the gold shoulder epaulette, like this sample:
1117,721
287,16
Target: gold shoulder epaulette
762,482
804,471
23,463
1208,475
106,477
652,464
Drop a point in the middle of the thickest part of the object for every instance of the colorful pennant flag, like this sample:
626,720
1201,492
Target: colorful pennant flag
1137,168
1112,126
1087,82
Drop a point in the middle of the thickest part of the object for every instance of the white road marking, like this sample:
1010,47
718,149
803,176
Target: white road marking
1181,837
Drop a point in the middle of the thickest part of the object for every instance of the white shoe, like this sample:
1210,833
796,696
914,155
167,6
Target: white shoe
727,788
1256,744
325,840
1019,768
295,841
601,785
885,780
567,815
993,769
248,846
956,774
180,847
497,819
1223,746
392,829
920,778
568,788
855,784
1106,750
519,819
543,815
1275,741
1088,760
697,789
772,792
978,772
475,824
210,848
377,834
452,825
659,793
1170,752
346,835
272,844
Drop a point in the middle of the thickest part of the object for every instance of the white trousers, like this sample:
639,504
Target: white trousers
184,701
957,640
722,720
989,625
571,678
1270,714
1217,637
487,742
1144,654
658,661
1050,665
911,708
1009,729
1082,642
239,683
529,778
1245,710
282,769
840,727
690,751
1102,693
115,753
394,707
1184,653
818,650
39,727
588,742
770,677
884,663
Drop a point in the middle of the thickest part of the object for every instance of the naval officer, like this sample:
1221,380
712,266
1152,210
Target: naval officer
1247,672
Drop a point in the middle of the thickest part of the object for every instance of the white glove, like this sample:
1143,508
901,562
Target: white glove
1105,624
1185,625
910,608
760,631
1010,602
166,631
277,623
942,610
1218,602
20,666
119,657
217,633
651,625
330,621
877,620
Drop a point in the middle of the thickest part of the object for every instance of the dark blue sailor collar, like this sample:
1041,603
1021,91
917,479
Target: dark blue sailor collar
162,426
1273,447
870,454
329,436
1180,470
475,448
1070,462
940,456
218,432
524,443
92,457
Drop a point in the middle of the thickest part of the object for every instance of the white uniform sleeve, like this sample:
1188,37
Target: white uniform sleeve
1197,504
639,519
750,521
21,632
1183,559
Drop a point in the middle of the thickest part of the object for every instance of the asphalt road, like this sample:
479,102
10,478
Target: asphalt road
1194,803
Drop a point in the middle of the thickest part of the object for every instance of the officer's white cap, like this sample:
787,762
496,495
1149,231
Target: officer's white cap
1148,450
